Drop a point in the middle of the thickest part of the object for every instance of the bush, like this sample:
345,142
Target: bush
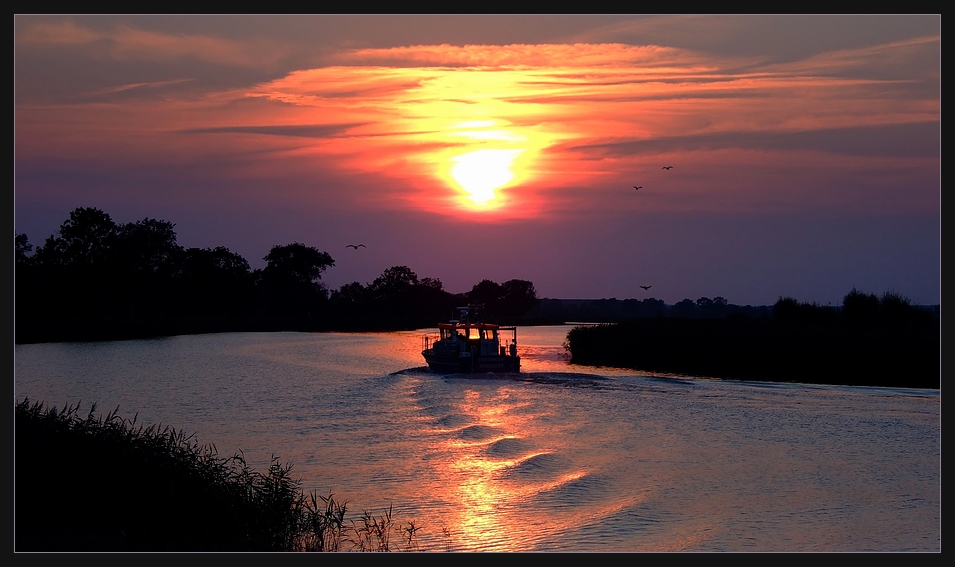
106,484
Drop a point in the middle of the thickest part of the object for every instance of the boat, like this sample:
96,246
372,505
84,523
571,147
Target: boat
468,344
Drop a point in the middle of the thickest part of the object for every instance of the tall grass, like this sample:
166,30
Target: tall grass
109,484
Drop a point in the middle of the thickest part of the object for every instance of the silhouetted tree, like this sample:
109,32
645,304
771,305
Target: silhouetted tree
860,308
393,282
143,262
487,292
895,310
652,307
685,308
397,299
73,274
147,246
290,282
26,291
509,300
215,282
518,297
789,311
23,249
350,294
296,264
84,239
786,309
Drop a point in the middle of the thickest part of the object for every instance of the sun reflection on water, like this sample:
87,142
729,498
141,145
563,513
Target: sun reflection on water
485,497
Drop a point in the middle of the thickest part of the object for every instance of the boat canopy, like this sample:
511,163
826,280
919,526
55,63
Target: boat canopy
467,326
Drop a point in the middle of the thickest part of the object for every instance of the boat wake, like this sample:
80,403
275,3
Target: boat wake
412,371
571,379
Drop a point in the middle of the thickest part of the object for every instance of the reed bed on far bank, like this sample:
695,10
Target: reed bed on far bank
108,484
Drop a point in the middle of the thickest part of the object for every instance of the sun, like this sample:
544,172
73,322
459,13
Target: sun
481,172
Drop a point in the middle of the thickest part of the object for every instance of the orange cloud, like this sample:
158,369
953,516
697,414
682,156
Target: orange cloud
491,132
424,108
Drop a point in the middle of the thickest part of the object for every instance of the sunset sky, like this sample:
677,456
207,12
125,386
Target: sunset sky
805,150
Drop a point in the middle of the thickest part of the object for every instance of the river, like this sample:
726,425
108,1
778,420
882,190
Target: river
558,458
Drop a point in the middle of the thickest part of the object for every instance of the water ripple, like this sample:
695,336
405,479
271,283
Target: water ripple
537,465
507,448
477,432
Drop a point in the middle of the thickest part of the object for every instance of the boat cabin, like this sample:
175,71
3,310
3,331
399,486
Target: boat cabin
470,344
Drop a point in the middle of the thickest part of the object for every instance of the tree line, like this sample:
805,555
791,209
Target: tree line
867,341
95,279
614,310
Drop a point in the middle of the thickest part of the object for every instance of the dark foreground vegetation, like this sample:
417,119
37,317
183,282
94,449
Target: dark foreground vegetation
106,484
868,341
98,280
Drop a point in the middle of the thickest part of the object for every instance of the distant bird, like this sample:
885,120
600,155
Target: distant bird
646,287
638,187
667,167
356,246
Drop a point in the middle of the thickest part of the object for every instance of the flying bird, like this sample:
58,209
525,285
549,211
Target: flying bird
638,187
667,167
646,287
356,246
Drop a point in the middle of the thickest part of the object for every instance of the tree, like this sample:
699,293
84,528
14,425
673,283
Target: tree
895,309
84,239
487,292
684,308
214,263
296,264
215,281
26,288
147,247
860,308
139,267
393,282
290,282
73,266
786,309
350,294
519,296
22,248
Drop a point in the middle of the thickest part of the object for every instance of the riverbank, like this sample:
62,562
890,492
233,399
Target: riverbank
826,351
106,484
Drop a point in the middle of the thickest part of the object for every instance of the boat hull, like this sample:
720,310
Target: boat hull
471,364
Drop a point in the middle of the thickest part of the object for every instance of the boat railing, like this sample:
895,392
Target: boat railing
428,340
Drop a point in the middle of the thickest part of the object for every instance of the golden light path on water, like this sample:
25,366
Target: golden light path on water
499,464
496,472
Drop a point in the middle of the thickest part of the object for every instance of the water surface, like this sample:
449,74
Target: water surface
558,458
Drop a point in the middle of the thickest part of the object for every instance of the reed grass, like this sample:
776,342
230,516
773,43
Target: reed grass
109,484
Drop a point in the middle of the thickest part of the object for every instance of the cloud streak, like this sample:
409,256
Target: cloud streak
123,42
